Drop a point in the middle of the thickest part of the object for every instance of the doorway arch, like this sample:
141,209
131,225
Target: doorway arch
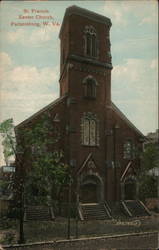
91,189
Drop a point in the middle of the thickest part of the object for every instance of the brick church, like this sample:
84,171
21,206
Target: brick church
99,143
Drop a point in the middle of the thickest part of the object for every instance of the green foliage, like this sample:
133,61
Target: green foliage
148,183
9,237
48,173
148,187
150,157
46,178
35,148
8,142
4,186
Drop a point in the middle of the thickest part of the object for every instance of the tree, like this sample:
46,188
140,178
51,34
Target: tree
148,182
48,172
150,157
8,142
40,163
8,139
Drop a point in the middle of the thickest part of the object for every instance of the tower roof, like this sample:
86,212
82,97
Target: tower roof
84,13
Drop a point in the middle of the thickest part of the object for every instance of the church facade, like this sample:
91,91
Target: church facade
101,146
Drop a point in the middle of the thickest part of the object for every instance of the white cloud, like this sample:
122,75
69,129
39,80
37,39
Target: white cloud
14,36
5,60
36,37
115,11
29,75
146,20
121,12
151,15
44,35
24,77
26,89
134,89
5,64
154,64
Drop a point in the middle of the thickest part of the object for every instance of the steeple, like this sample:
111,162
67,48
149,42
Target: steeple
85,47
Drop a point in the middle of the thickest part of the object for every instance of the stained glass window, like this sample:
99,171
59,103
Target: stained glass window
90,131
86,132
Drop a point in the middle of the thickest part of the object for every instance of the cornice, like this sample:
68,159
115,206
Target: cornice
90,61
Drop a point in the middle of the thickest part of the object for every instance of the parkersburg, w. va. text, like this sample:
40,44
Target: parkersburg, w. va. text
34,17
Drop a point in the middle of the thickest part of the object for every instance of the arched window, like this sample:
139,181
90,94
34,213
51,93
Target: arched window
90,87
129,149
90,130
90,41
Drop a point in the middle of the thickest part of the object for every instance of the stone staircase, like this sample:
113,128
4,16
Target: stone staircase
94,211
117,211
40,213
135,208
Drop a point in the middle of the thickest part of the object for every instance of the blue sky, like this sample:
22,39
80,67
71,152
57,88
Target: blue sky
30,55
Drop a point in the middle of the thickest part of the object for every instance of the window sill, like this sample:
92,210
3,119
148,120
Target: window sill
89,98
90,145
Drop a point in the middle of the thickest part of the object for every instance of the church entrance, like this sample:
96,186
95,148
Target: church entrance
89,193
91,190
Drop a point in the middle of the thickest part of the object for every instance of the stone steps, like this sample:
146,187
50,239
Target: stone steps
135,208
43,213
95,211
117,211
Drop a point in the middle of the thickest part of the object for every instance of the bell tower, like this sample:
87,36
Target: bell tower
85,77
85,65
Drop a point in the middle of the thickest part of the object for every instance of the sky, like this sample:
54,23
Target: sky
30,57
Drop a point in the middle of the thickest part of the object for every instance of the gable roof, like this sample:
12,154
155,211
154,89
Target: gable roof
125,171
51,105
123,117
84,163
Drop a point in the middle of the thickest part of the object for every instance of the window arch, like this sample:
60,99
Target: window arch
90,130
90,41
90,87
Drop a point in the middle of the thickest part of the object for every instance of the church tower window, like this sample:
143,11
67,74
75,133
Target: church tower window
90,87
90,130
90,41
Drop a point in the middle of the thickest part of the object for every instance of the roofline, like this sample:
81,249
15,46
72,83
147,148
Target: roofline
84,163
85,13
120,113
55,102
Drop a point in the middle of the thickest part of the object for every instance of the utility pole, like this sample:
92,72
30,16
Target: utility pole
21,215
69,211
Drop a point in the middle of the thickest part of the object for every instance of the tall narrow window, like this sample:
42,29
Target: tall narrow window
129,149
90,41
90,87
94,46
86,132
90,130
92,136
